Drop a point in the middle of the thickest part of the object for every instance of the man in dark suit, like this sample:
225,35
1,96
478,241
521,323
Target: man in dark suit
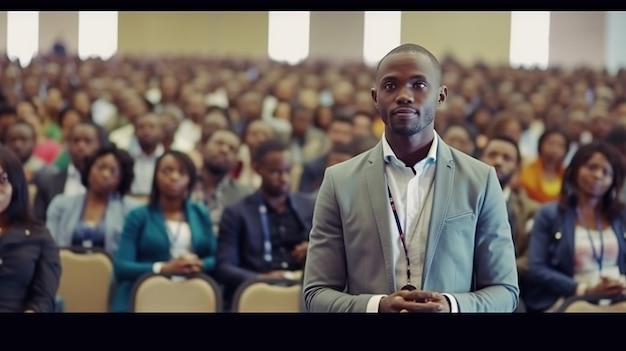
265,234
502,152
83,140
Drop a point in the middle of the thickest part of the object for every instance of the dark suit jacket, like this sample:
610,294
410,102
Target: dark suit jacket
49,181
551,256
240,242
312,174
144,241
30,269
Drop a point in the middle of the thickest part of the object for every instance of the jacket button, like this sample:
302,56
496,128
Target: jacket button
27,232
0,261
558,235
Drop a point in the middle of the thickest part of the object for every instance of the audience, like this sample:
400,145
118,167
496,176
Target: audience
149,107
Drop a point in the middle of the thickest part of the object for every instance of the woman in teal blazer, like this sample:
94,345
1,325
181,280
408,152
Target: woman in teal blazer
171,234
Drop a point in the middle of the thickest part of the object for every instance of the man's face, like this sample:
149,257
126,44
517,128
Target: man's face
407,93
220,152
83,142
503,157
20,138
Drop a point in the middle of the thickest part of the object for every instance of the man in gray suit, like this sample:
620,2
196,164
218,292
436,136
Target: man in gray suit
412,225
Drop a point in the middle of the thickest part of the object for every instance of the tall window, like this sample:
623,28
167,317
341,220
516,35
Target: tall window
97,34
530,39
288,36
382,33
22,36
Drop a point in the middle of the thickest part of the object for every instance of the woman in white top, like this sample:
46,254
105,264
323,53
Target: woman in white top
577,245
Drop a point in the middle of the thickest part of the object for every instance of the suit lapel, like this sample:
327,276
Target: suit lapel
444,175
374,178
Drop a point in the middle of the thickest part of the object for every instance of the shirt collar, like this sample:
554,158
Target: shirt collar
506,192
138,152
72,171
390,156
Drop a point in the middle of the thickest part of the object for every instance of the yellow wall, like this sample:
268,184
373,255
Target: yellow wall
189,33
468,36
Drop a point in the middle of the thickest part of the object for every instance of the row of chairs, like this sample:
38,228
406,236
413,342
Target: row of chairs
87,282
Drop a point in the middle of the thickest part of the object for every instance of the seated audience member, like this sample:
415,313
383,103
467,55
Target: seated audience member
617,138
265,234
95,218
217,118
8,116
216,187
338,153
460,137
254,134
45,148
340,131
68,118
577,246
504,155
21,139
170,234
30,268
363,123
542,178
149,136
83,141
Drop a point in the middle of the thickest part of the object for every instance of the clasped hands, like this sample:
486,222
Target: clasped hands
415,301
184,264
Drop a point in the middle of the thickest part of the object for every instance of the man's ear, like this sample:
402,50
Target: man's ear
443,95
375,97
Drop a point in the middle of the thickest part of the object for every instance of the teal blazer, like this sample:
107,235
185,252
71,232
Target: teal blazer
144,241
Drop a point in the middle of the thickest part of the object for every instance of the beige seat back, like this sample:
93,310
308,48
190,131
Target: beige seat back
161,293
85,280
268,296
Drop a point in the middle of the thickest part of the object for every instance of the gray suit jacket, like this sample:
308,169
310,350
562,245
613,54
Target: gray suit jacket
65,211
469,253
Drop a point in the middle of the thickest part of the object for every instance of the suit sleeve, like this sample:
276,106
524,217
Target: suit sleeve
47,277
127,266
228,260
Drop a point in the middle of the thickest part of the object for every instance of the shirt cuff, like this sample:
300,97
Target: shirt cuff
454,306
156,267
372,304
580,289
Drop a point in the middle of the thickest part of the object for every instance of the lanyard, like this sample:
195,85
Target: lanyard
402,236
597,257
265,228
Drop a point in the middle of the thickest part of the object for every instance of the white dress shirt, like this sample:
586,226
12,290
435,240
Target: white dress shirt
73,183
411,189
144,170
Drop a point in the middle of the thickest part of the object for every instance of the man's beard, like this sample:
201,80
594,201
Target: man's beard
216,170
426,117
